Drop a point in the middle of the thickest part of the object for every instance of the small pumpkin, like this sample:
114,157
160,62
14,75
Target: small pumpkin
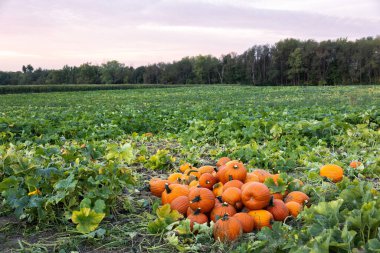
181,204
217,189
233,183
157,186
227,229
197,217
278,209
220,210
222,161
332,172
185,167
294,208
255,195
246,221
220,173
175,178
173,191
278,195
207,180
262,218
261,174
234,170
206,169
194,183
202,198
297,196
251,177
355,164
232,196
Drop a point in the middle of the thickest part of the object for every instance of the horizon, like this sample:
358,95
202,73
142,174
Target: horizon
47,35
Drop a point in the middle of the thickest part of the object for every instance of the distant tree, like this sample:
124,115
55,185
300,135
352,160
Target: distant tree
88,74
113,72
295,65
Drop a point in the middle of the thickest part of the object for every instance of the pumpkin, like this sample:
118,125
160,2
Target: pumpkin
332,172
207,180
202,198
355,164
251,177
220,210
278,195
234,170
181,204
194,183
261,218
232,196
294,208
173,191
191,174
185,167
227,229
175,178
278,210
297,196
157,186
246,221
220,173
217,189
232,183
197,217
189,211
261,174
222,161
206,169
255,195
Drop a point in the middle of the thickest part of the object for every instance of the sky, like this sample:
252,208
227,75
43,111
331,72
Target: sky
52,33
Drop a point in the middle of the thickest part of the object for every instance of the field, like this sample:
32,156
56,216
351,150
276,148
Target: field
65,154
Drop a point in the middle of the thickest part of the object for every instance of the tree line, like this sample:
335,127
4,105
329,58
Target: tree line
288,62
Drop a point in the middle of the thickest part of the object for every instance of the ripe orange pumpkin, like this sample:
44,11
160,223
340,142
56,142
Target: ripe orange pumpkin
279,210
227,229
206,169
297,196
261,174
234,170
222,161
207,180
202,198
294,208
185,167
181,204
220,210
332,172
173,191
355,164
232,183
251,177
262,218
157,186
246,221
255,195
175,178
232,196
278,195
220,173
197,217
217,189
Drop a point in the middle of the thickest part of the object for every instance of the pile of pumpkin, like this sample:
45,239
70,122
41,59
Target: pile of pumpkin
235,200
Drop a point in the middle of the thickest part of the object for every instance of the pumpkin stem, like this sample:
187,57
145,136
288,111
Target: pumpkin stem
224,204
216,185
225,217
220,199
230,178
198,211
207,181
271,201
196,199
188,173
236,166
168,190
215,169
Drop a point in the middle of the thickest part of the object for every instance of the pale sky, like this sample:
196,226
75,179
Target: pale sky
52,33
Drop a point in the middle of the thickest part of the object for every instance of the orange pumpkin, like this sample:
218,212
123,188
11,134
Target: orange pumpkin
251,177
181,204
227,229
157,186
278,210
185,167
206,169
202,198
207,180
175,178
246,221
197,217
222,161
332,172
278,195
194,183
294,208
220,210
234,170
220,173
173,191
232,196
262,218
255,195
355,164
232,183
261,174
297,196
217,189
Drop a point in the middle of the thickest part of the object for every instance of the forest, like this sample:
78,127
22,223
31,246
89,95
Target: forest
287,62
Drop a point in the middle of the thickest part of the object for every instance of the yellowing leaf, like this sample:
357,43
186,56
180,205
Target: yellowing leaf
87,220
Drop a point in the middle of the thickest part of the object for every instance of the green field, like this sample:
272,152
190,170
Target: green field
90,150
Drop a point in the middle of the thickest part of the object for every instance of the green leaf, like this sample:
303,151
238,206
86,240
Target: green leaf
87,220
165,217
